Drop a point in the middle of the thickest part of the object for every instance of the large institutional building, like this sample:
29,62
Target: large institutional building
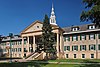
75,42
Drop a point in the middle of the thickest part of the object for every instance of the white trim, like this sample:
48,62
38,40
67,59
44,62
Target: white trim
81,31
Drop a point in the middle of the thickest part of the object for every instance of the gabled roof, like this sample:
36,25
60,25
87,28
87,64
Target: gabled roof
37,21
55,26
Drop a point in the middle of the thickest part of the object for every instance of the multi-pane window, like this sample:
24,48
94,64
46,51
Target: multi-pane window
92,47
67,48
99,47
83,55
98,36
64,48
82,47
75,29
92,36
92,27
75,38
19,49
25,50
25,41
74,55
67,38
66,55
83,37
92,55
74,48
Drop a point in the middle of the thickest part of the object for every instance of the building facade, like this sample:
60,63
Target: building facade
82,42
75,42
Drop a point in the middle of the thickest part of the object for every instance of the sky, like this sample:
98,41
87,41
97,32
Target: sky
16,15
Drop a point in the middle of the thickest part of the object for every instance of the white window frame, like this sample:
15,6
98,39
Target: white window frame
92,47
75,29
92,27
83,37
74,38
92,36
83,55
91,56
83,47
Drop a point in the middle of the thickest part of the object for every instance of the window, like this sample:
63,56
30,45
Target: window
66,48
66,55
92,47
37,26
16,49
82,47
83,37
83,55
74,55
99,47
20,42
75,38
98,36
19,55
75,29
19,49
92,27
92,55
92,36
74,48
25,41
25,50
67,38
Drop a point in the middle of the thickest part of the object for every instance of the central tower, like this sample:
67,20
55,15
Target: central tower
53,17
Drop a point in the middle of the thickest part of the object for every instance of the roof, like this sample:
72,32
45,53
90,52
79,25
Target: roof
81,28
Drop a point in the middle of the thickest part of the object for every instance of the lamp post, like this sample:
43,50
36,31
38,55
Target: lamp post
10,35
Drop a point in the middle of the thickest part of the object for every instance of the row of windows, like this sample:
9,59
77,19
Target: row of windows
89,27
13,43
16,49
82,37
82,47
16,43
82,56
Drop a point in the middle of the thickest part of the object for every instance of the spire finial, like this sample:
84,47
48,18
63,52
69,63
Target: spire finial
53,17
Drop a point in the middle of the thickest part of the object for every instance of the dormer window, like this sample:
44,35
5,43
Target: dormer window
75,28
91,27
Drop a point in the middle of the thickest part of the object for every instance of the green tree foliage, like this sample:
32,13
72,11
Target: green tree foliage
92,13
48,37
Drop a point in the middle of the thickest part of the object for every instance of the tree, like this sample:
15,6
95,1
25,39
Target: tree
48,38
92,13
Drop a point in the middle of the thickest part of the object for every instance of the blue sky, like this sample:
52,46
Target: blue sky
16,15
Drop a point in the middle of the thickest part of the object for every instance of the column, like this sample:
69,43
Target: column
22,47
34,45
28,45
57,47
61,43
96,36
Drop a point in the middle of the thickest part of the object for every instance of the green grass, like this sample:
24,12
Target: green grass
22,64
59,65
75,60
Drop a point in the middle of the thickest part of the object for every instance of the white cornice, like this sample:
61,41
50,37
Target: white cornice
82,31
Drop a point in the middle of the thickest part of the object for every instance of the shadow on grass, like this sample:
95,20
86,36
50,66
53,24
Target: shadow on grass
90,64
22,64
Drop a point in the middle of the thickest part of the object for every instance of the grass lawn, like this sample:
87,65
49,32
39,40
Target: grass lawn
59,65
